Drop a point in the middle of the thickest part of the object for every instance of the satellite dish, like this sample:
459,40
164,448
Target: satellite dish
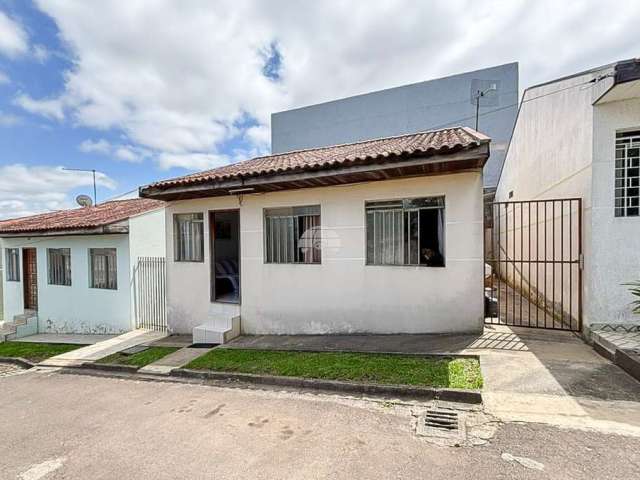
84,200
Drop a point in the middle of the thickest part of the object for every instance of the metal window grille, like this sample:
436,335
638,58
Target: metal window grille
59,266
627,174
292,235
13,264
104,269
188,237
394,230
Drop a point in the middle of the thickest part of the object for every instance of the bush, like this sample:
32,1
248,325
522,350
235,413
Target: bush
634,288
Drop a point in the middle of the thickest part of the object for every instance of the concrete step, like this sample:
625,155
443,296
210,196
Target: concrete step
603,346
217,331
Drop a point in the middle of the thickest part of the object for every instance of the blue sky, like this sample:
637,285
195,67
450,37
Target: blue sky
143,90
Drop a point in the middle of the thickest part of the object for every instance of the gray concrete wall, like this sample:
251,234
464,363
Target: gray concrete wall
411,108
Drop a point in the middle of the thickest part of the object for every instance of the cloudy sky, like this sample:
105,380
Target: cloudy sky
148,89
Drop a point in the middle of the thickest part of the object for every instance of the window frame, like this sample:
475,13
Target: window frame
66,273
293,208
176,236
408,199
106,252
12,275
623,203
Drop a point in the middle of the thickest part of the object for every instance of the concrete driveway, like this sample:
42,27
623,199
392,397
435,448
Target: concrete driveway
57,426
554,377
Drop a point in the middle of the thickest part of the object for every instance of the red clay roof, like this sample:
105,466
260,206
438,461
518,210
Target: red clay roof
382,149
80,218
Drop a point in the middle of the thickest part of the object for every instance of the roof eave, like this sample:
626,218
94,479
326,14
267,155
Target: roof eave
440,163
120,227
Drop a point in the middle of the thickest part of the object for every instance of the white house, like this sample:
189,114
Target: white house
380,236
75,271
579,137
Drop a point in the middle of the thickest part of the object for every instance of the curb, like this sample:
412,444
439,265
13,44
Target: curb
107,367
629,361
422,393
21,362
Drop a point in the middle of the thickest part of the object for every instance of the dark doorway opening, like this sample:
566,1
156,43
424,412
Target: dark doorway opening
225,256
30,283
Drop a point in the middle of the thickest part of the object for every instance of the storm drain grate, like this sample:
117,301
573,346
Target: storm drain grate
444,424
441,419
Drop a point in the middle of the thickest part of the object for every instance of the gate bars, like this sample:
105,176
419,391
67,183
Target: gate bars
151,309
533,264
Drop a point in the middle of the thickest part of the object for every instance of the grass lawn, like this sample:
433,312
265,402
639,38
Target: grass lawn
36,352
359,367
140,359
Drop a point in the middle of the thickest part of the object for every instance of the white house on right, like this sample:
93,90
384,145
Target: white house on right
579,137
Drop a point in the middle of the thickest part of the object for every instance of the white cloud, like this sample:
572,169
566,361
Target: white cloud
4,79
9,120
13,39
178,77
50,108
99,146
26,190
40,53
125,153
192,161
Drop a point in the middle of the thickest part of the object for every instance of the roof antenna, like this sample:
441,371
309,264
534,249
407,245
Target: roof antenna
93,171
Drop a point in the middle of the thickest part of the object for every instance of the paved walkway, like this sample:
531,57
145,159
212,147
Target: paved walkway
434,344
174,360
102,349
75,339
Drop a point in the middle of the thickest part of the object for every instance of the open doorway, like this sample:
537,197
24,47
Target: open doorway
225,256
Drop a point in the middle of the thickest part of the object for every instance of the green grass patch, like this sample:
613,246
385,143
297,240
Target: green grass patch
35,352
359,367
139,359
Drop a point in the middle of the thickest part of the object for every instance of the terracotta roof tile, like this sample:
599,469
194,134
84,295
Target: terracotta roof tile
382,149
80,218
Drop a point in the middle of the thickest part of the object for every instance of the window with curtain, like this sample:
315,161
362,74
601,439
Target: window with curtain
188,232
406,232
627,188
103,268
292,235
12,260
59,266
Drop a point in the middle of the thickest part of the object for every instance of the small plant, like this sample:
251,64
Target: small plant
634,288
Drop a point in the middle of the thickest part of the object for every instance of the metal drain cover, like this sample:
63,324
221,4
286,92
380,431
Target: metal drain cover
443,423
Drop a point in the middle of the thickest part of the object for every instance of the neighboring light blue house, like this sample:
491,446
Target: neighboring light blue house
434,104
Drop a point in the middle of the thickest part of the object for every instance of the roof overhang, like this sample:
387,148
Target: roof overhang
472,158
112,229
625,85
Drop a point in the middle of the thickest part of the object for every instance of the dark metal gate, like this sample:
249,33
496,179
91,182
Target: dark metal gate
150,301
533,263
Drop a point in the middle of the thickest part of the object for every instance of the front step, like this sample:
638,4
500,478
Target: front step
22,325
217,331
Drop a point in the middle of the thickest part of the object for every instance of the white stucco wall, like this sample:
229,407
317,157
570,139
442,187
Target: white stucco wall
615,240
341,295
76,308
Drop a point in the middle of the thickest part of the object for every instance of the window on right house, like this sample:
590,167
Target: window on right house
627,187
408,231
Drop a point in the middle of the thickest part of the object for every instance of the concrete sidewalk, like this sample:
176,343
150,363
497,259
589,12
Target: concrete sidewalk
102,349
69,338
